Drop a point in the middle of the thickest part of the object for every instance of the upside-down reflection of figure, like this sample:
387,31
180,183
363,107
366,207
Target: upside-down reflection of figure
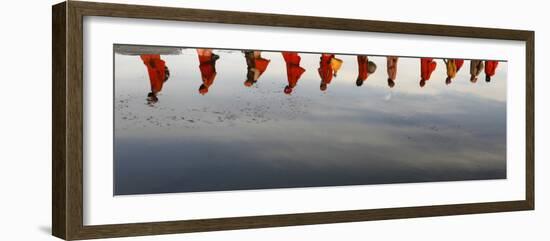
490,69
158,74
256,66
453,66
325,70
451,70
293,70
365,67
476,66
427,67
207,66
392,70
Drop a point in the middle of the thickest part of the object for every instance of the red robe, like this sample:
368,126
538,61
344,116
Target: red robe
156,69
490,67
293,69
363,63
459,63
427,67
208,72
325,69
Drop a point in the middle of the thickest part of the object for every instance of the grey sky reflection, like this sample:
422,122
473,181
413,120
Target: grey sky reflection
237,138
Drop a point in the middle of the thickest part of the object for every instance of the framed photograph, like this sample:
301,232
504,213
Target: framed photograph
171,120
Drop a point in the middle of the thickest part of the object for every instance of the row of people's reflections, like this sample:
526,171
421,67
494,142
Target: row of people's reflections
329,65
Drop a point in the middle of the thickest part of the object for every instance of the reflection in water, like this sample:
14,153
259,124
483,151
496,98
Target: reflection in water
293,70
328,68
239,138
476,66
366,67
255,66
325,70
392,70
490,69
158,74
453,66
207,66
427,67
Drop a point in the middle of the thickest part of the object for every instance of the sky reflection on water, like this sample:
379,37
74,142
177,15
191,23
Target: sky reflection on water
237,137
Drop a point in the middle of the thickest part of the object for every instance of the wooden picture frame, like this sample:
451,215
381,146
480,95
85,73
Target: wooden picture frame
67,156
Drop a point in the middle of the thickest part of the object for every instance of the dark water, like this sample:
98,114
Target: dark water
238,138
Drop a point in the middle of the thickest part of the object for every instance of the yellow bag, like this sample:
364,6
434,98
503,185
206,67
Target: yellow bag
336,64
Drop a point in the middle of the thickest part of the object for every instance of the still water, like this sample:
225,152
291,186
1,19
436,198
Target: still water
236,137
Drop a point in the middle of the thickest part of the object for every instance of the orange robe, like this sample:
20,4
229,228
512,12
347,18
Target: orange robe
261,64
490,67
156,70
363,63
325,68
427,67
293,69
208,71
